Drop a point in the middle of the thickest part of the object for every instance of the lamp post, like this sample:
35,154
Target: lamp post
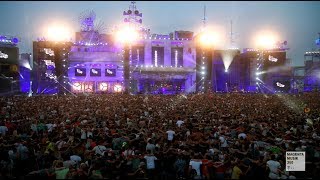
126,36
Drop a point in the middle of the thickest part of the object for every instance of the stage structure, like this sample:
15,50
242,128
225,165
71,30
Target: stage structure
9,65
50,66
25,64
312,68
95,64
153,64
231,79
312,71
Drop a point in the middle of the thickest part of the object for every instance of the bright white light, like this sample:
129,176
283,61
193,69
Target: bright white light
49,52
58,33
266,40
226,70
117,88
176,58
3,55
227,58
103,86
202,67
76,86
156,58
208,39
202,72
127,35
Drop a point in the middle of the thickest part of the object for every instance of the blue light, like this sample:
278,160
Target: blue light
15,40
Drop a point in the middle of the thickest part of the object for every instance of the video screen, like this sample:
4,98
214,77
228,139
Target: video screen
274,59
110,72
9,55
283,86
95,72
80,71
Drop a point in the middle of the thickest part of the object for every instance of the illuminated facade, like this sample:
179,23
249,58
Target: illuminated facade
153,64
157,65
95,66
50,65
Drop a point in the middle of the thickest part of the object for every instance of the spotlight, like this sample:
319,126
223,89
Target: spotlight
226,70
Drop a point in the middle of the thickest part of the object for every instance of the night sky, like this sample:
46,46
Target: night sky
297,22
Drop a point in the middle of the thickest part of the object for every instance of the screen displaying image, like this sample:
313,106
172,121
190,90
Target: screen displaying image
111,72
95,72
9,55
283,86
80,71
274,59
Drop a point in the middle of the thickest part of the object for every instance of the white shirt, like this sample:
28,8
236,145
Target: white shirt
243,135
99,149
223,141
3,130
150,161
49,127
75,158
59,144
179,123
195,165
89,133
83,134
273,166
170,135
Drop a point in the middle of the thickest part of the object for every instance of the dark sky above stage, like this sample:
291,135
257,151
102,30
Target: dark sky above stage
297,22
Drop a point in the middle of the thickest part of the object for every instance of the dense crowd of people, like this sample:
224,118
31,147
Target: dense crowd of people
196,136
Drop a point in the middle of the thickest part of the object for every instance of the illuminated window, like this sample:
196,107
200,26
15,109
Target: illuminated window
176,58
77,87
156,58
103,86
117,88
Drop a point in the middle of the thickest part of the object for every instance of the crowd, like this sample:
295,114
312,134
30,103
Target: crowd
196,136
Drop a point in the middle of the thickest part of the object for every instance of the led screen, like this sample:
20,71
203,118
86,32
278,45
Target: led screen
95,72
110,72
80,71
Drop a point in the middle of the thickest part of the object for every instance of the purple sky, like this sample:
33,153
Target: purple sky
297,22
